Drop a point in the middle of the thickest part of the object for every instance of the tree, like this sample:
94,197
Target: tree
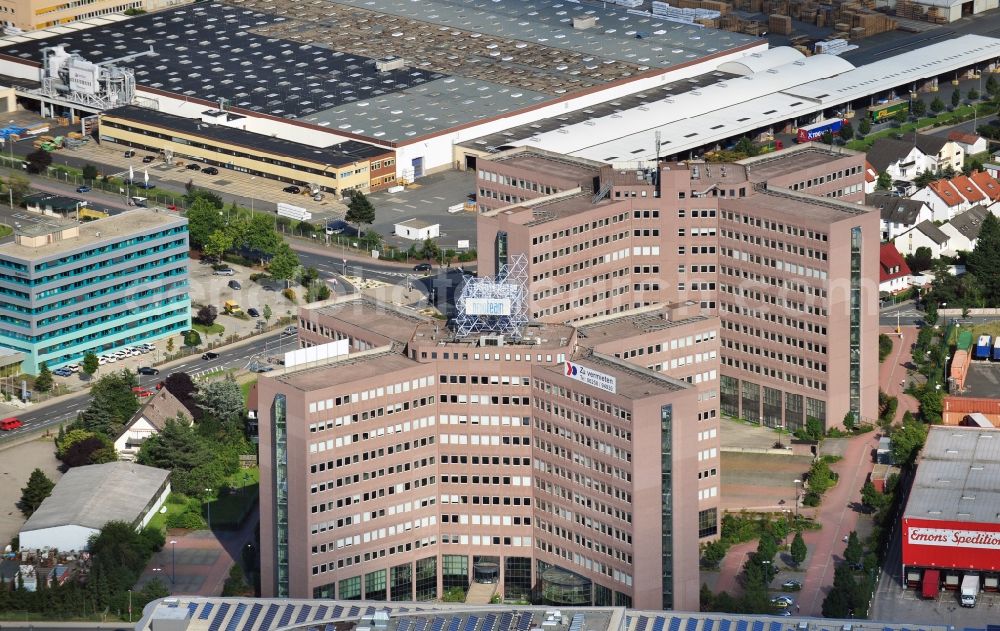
922,259
208,197
70,438
203,220
884,181
90,364
937,105
170,345
907,440
112,404
360,210
846,131
849,421
827,138
884,346
38,160
284,263
918,107
992,87
956,97
92,450
984,260
267,313
309,276
206,315
871,499
853,552
973,95
43,382
430,250
192,338
19,186
260,236
34,493
931,312
864,126
221,399
746,147
798,549
89,172
924,178
219,242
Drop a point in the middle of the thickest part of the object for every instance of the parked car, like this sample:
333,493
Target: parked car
10,423
140,391
62,372
83,189
210,171
146,370
253,313
73,368
422,267
129,154
209,355
294,190
225,271
262,368
290,330
791,585
318,197
235,284
194,166
148,159
782,602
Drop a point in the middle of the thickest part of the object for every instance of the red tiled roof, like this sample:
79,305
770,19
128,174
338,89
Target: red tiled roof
891,263
960,136
870,174
987,184
967,189
947,193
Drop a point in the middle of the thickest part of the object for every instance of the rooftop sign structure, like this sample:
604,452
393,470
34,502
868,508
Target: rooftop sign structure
495,305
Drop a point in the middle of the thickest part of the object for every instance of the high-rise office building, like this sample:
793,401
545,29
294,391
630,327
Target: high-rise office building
68,288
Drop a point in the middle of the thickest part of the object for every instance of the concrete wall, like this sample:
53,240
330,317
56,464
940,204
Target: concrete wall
64,538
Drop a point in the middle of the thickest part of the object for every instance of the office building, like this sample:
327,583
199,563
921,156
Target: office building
28,15
426,459
67,288
777,246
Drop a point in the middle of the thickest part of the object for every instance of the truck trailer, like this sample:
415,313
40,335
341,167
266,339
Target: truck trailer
996,349
884,111
815,131
984,347
970,590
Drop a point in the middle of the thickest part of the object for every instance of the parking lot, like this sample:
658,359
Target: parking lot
207,288
899,605
428,199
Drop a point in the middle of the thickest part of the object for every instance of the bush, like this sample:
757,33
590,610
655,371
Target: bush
811,498
256,276
188,520
884,346
289,294
192,338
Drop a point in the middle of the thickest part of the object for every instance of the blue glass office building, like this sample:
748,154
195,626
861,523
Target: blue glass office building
68,288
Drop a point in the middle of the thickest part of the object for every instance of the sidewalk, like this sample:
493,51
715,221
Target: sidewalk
893,372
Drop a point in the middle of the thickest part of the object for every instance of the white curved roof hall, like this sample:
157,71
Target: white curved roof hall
672,108
759,62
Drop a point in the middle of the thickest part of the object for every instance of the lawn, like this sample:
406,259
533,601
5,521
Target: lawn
987,328
245,389
5,231
231,507
214,329
959,114
159,520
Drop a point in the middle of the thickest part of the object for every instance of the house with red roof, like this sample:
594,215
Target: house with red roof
987,184
970,143
871,178
947,198
894,274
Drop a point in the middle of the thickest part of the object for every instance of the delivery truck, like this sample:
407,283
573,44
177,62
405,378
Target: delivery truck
984,347
808,133
970,590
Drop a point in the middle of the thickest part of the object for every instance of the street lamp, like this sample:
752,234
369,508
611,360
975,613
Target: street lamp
173,561
208,507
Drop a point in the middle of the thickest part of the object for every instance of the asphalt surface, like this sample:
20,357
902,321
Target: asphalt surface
66,409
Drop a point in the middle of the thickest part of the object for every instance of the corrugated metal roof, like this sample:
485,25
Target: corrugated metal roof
759,62
956,476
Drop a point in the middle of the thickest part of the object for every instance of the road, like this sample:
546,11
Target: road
66,409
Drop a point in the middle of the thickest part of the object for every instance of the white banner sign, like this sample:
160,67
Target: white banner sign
294,212
487,306
950,538
591,377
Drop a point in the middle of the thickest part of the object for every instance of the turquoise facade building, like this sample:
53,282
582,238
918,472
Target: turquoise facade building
68,288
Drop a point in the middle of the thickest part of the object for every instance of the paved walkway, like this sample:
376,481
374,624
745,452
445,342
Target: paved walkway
893,373
198,564
838,515
731,568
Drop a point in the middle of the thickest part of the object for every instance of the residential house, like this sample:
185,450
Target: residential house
947,198
963,229
970,143
899,214
924,234
907,158
988,184
871,178
148,421
894,274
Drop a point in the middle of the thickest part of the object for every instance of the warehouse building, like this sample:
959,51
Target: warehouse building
71,288
87,498
950,526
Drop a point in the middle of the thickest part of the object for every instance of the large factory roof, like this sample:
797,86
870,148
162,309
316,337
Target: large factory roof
957,476
319,60
189,613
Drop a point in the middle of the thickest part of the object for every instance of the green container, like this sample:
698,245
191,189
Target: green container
964,341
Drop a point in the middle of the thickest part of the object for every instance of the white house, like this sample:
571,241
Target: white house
963,229
88,497
924,234
970,143
947,198
894,274
907,158
148,421
417,230
898,214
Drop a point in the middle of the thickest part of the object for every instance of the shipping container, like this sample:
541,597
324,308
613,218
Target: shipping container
816,130
984,347
996,349
885,111
964,341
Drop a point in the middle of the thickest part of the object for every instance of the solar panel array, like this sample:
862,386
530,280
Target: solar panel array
210,51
